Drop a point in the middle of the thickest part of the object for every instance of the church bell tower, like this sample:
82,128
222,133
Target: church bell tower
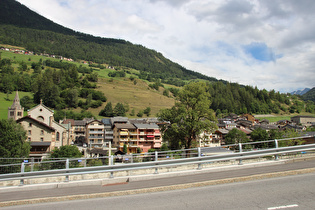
16,110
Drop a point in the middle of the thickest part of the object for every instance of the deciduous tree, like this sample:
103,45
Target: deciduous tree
190,115
13,140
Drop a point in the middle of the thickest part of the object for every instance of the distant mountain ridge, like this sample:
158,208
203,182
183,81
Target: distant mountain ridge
300,92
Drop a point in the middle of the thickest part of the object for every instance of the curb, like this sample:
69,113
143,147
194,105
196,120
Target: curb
157,189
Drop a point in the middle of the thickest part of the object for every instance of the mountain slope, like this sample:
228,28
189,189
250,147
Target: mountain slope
23,27
310,95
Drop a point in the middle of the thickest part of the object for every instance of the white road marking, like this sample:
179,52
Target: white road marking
283,207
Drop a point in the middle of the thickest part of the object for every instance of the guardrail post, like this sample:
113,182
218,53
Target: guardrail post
276,146
22,171
156,156
111,174
67,167
156,159
241,150
199,155
111,160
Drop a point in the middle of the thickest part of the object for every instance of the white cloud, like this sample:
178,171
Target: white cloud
207,36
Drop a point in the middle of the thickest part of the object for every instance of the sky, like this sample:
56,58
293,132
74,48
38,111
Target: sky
268,44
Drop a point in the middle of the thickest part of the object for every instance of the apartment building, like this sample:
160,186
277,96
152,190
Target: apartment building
148,136
125,134
95,134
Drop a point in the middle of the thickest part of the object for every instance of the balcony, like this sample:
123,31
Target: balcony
97,132
109,132
133,133
96,137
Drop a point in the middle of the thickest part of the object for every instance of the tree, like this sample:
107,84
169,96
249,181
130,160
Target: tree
190,115
68,151
259,134
235,136
147,111
13,140
125,149
119,109
107,111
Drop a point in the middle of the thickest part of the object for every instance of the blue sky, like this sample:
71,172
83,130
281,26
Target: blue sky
264,43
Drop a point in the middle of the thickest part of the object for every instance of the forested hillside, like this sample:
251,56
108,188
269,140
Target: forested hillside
22,27
76,86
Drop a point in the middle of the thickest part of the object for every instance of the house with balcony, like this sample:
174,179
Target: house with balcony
149,136
208,139
125,134
95,134
108,130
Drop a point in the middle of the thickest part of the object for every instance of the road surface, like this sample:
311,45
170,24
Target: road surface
290,192
238,174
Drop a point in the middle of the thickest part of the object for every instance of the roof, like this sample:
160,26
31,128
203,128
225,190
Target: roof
39,122
146,126
67,121
124,126
222,131
106,121
41,104
302,116
42,143
79,122
16,102
93,121
119,119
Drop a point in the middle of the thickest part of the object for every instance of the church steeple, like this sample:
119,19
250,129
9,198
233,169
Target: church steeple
16,110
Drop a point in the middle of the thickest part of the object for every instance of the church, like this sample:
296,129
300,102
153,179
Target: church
43,132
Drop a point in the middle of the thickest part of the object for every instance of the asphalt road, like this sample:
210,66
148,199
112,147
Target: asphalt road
162,184
294,192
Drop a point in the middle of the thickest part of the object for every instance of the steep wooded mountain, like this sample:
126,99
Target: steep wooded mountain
310,95
69,85
22,27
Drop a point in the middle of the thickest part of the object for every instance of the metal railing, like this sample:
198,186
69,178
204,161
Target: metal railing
156,160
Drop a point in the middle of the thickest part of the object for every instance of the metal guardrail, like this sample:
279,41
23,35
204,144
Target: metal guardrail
156,164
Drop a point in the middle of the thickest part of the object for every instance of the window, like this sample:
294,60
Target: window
57,136
19,113
40,118
29,132
41,139
30,125
11,113
29,138
42,132
40,110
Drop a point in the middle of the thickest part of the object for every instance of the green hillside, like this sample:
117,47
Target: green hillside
23,27
35,54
